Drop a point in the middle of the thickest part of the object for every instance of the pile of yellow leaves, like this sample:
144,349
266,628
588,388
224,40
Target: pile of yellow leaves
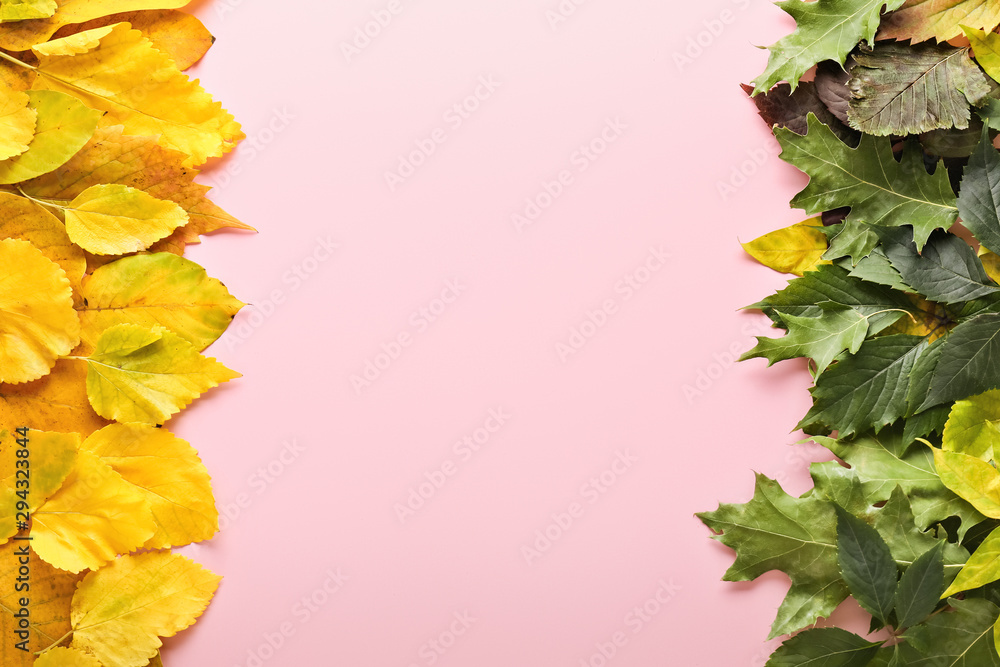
102,327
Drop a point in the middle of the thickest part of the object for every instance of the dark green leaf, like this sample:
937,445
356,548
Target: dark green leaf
866,565
959,638
979,198
824,647
876,268
920,587
969,363
854,239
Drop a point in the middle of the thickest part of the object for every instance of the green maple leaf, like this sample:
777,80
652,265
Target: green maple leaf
797,536
879,190
827,30
854,239
959,638
867,390
902,89
822,338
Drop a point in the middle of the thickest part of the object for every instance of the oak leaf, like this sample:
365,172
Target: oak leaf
120,612
37,320
146,375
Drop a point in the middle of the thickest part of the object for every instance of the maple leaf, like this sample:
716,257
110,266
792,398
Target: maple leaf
921,20
63,125
22,35
879,190
37,320
17,123
827,30
115,219
795,249
901,89
167,471
138,162
48,612
141,88
22,219
179,35
798,536
159,289
58,400
120,612
852,238
146,375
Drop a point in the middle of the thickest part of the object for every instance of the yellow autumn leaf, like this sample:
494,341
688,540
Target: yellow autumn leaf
159,289
991,262
66,657
169,473
970,478
178,34
58,400
115,219
48,604
120,612
942,20
51,456
62,127
37,320
925,318
146,375
138,162
17,122
8,520
795,249
73,44
94,516
19,10
22,219
142,89
22,35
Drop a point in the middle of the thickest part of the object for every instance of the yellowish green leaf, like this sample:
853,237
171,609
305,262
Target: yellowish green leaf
115,219
159,289
73,44
942,20
146,375
66,657
52,457
973,427
970,478
17,123
986,48
63,126
178,34
48,605
22,219
37,320
795,249
58,400
94,516
926,318
19,10
121,611
142,89
22,35
982,568
169,473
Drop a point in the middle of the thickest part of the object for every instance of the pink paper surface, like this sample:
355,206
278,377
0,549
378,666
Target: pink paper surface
548,400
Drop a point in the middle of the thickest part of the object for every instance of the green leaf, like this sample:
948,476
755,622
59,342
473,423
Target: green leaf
824,647
885,461
798,536
838,484
969,363
946,271
879,190
866,564
960,638
901,89
922,375
855,240
829,283
979,197
867,390
919,586
983,566
827,30
821,338
147,375
63,127
973,427
895,522
971,478
876,268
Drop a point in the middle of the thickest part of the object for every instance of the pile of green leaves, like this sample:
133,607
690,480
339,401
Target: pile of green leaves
892,109
103,325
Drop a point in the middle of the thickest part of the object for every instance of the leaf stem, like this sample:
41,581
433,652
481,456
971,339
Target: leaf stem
14,60
55,643
42,202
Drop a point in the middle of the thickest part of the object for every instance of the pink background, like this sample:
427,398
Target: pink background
343,458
